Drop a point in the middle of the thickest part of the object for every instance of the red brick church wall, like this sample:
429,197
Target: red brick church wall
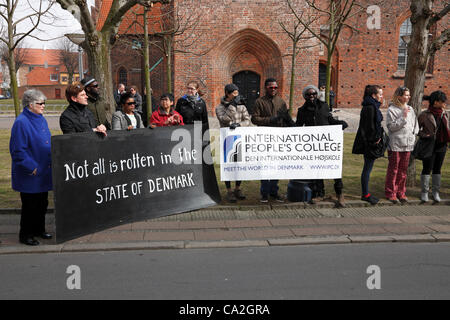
245,35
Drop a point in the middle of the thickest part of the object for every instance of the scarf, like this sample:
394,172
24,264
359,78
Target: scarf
443,134
379,116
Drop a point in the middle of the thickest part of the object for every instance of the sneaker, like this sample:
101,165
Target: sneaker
277,198
231,197
239,195
264,199
403,200
370,199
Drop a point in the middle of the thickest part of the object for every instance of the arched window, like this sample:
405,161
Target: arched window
123,76
405,32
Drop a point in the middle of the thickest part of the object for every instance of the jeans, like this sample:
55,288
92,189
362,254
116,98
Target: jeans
365,175
434,163
269,187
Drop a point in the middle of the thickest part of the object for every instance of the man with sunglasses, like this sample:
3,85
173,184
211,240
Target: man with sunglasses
93,92
271,111
317,113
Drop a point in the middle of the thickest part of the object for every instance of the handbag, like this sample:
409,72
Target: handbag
378,150
424,147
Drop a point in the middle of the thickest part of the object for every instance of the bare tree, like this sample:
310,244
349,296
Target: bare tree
420,50
68,56
21,54
98,42
334,16
296,33
10,34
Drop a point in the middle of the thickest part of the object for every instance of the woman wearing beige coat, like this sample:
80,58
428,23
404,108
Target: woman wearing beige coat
402,127
232,113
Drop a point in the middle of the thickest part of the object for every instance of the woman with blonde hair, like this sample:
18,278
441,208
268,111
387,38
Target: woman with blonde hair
402,126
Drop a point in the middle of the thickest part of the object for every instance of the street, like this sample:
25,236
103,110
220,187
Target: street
405,271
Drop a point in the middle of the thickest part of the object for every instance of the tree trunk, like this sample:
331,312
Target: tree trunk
416,66
148,89
98,50
169,65
13,79
292,86
328,77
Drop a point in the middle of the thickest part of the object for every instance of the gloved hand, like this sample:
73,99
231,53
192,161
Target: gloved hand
234,125
287,120
344,125
274,120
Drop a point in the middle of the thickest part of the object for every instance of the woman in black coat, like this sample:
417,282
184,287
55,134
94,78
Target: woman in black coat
317,113
369,134
192,107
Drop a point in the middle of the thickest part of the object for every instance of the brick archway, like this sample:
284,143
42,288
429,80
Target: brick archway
247,49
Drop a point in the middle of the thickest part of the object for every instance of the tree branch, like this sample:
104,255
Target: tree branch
438,16
440,42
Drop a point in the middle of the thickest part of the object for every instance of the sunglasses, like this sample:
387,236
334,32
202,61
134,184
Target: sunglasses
93,86
40,103
309,94
131,103
272,88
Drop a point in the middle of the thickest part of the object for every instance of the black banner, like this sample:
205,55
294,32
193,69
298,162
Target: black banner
101,182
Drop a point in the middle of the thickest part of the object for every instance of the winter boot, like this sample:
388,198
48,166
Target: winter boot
340,201
436,186
425,185
231,197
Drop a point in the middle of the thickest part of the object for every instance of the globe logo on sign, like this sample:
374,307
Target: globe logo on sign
232,149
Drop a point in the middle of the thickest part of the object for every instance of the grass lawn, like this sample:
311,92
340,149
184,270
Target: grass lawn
351,177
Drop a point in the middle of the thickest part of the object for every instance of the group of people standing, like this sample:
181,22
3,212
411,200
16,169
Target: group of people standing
403,126
31,152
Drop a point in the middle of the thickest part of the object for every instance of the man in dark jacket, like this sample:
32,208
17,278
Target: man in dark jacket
271,111
317,113
97,109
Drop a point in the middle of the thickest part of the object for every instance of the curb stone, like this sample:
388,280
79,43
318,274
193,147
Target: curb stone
170,245
290,205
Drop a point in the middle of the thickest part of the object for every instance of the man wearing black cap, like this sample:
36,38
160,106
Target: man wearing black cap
93,93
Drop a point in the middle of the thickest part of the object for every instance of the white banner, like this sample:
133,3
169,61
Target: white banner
266,153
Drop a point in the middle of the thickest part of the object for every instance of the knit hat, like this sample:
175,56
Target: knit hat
87,81
229,88
309,87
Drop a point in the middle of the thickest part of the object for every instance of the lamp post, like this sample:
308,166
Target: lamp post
78,39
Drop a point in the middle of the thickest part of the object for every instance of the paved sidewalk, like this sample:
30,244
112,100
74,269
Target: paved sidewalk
250,226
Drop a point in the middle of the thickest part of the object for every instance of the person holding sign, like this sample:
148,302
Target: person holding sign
192,107
91,87
271,111
127,118
77,117
166,116
31,174
232,113
315,112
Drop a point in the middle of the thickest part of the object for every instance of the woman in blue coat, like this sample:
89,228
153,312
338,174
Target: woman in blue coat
30,150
